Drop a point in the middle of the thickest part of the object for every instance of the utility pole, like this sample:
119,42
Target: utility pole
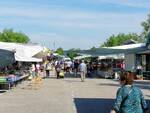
54,45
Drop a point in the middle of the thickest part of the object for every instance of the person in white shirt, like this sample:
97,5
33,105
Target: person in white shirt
83,70
37,66
48,68
33,70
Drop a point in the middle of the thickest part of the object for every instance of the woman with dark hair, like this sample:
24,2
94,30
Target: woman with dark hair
129,98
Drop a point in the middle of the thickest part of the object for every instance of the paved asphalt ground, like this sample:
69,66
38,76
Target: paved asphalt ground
68,95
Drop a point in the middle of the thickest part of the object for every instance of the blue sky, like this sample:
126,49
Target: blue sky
73,23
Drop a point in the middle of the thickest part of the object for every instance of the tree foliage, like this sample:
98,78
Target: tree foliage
120,39
72,53
146,27
60,51
148,39
93,48
8,35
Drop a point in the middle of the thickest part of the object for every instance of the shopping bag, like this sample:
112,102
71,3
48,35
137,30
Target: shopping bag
61,74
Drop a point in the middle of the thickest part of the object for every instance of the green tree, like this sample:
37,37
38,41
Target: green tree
72,53
120,39
146,27
60,51
8,35
93,48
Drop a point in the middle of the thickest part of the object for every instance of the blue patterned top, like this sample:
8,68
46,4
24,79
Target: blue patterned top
133,103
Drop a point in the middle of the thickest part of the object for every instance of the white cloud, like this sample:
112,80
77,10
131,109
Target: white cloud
42,13
131,3
65,18
104,23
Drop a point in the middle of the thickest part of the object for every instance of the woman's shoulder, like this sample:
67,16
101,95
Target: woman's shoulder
120,90
128,87
135,88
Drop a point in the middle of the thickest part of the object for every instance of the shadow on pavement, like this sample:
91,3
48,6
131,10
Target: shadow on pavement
71,75
95,105
143,86
140,84
109,84
71,81
2,91
148,96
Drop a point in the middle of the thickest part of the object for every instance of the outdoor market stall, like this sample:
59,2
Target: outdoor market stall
132,55
22,56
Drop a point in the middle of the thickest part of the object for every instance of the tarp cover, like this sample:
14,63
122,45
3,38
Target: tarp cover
6,57
107,51
23,52
27,59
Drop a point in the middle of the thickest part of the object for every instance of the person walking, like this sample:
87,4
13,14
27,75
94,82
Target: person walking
83,70
48,68
58,69
76,65
129,98
37,67
33,69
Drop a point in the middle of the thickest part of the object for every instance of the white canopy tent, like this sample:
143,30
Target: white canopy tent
27,59
123,47
130,46
23,52
82,57
45,52
112,56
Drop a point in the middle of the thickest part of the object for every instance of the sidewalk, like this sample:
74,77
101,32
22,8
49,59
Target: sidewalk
68,95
